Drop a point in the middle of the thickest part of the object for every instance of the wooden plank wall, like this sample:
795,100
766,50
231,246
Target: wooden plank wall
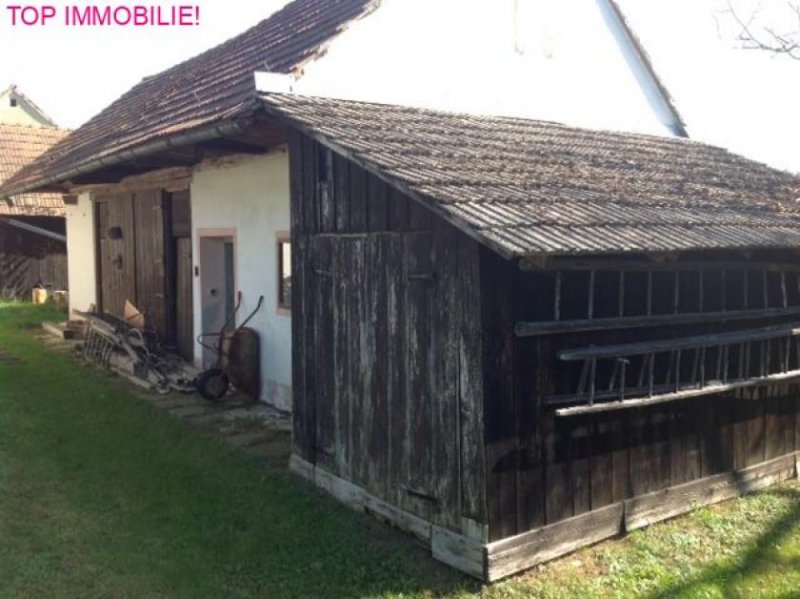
542,469
386,350
139,254
28,259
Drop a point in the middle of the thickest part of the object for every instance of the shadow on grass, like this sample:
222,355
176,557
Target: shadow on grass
758,559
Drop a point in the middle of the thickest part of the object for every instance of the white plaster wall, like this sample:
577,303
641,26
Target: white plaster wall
544,59
21,114
251,195
81,254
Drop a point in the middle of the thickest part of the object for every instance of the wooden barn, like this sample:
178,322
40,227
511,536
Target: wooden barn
515,338
33,248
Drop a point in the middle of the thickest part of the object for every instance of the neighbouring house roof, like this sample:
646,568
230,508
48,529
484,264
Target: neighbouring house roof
211,88
529,188
19,146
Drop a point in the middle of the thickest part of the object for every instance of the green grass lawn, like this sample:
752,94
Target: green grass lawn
101,494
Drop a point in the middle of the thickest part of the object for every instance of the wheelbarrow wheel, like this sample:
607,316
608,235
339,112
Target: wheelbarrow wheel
212,384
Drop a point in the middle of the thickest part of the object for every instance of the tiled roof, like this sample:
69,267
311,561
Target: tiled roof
210,88
533,188
20,145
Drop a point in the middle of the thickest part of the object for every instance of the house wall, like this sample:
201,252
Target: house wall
563,61
387,365
21,114
81,253
249,196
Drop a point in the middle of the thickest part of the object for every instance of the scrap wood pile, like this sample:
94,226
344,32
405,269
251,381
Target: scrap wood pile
124,346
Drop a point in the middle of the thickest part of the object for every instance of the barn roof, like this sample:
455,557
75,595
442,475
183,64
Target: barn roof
213,87
529,188
19,146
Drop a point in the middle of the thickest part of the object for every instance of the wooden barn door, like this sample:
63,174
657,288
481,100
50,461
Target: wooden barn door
131,256
149,235
117,252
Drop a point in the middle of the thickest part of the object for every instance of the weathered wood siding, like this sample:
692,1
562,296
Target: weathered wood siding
28,259
144,255
542,469
387,362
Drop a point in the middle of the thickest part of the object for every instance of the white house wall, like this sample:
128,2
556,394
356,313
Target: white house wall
249,196
81,254
542,59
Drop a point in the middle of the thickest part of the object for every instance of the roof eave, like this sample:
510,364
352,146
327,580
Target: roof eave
57,181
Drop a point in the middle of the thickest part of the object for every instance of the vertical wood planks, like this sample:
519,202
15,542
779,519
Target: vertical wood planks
150,264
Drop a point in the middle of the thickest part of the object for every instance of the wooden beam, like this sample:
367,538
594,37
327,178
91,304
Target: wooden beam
497,560
544,263
536,329
654,507
511,555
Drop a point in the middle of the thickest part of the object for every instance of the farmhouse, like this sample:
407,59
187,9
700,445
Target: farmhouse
181,186
32,241
506,336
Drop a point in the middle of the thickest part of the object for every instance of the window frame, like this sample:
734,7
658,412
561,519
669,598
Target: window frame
282,238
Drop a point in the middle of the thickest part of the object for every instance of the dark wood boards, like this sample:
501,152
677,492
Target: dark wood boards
419,403
28,259
117,252
144,255
150,246
524,551
388,372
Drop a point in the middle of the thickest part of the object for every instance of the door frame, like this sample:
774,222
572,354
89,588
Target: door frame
213,233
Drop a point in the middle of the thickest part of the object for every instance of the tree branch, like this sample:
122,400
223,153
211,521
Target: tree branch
765,37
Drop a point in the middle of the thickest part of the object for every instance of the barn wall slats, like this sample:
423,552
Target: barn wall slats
411,383
388,375
150,251
568,466
28,259
144,255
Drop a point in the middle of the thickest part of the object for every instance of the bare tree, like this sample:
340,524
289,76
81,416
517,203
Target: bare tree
778,32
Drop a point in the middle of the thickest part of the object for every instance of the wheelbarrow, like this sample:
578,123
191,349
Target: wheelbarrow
238,358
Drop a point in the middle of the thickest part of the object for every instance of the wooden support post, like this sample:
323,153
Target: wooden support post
700,290
702,367
591,294
726,363
676,300
650,293
557,306
784,295
724,290
746,285
621,293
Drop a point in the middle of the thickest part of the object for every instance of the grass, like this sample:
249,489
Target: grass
102,495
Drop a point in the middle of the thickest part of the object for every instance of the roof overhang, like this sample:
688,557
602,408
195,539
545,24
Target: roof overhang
249,133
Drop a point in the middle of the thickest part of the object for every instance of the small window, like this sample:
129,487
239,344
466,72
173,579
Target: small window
12,102
284,272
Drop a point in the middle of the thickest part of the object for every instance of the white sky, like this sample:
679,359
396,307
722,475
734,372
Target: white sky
744,100
73,73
